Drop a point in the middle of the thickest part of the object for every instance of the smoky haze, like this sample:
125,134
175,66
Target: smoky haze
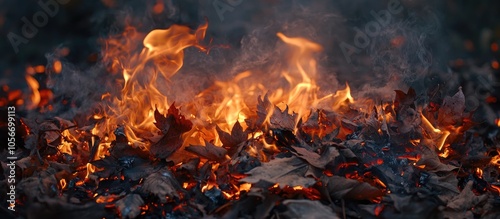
398,51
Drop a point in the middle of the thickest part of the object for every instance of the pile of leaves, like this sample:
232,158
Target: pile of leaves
348,163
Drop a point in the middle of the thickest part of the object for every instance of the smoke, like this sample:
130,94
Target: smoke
398,56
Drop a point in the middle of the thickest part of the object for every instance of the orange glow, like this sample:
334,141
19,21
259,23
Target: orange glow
90,169
479,173
106,199
207,187
30,70
495,160
445,153
379,182
415,142
158,7
495,65
497,122
62,183
57,67
39,69
245,187
494,47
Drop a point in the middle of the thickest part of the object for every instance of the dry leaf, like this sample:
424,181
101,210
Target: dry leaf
282,120
315,159
130,206
451,112
307,209
466,199
340,187
161,184
173,126
208,151
284,171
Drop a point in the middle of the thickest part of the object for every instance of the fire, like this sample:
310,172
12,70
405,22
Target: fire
442,135
245,187
35,94
144,76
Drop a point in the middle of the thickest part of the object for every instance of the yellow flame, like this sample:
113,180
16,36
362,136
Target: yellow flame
245,187
145,76
35,94
443,135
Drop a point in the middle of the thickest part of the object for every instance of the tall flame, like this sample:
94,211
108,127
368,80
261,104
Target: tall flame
145,77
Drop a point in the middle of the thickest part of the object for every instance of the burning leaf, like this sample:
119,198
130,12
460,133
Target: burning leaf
284,171
340,187
430,161
173,126
130,206
282,120
451,112
307,209
315,159
403,99
320,124
208,151
136,168
161,184
230,141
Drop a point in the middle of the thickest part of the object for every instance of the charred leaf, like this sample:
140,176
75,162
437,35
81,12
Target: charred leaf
173,125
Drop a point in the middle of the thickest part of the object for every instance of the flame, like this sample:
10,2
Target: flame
145,75
479,172
35,94
245,187
496,159
342,97
497,122
442,135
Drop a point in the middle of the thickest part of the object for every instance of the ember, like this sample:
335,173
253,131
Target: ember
264,141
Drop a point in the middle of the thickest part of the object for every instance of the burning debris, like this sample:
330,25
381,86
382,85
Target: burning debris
244,148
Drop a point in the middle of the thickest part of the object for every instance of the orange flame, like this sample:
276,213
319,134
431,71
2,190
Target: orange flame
442,135
144,75
35,94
